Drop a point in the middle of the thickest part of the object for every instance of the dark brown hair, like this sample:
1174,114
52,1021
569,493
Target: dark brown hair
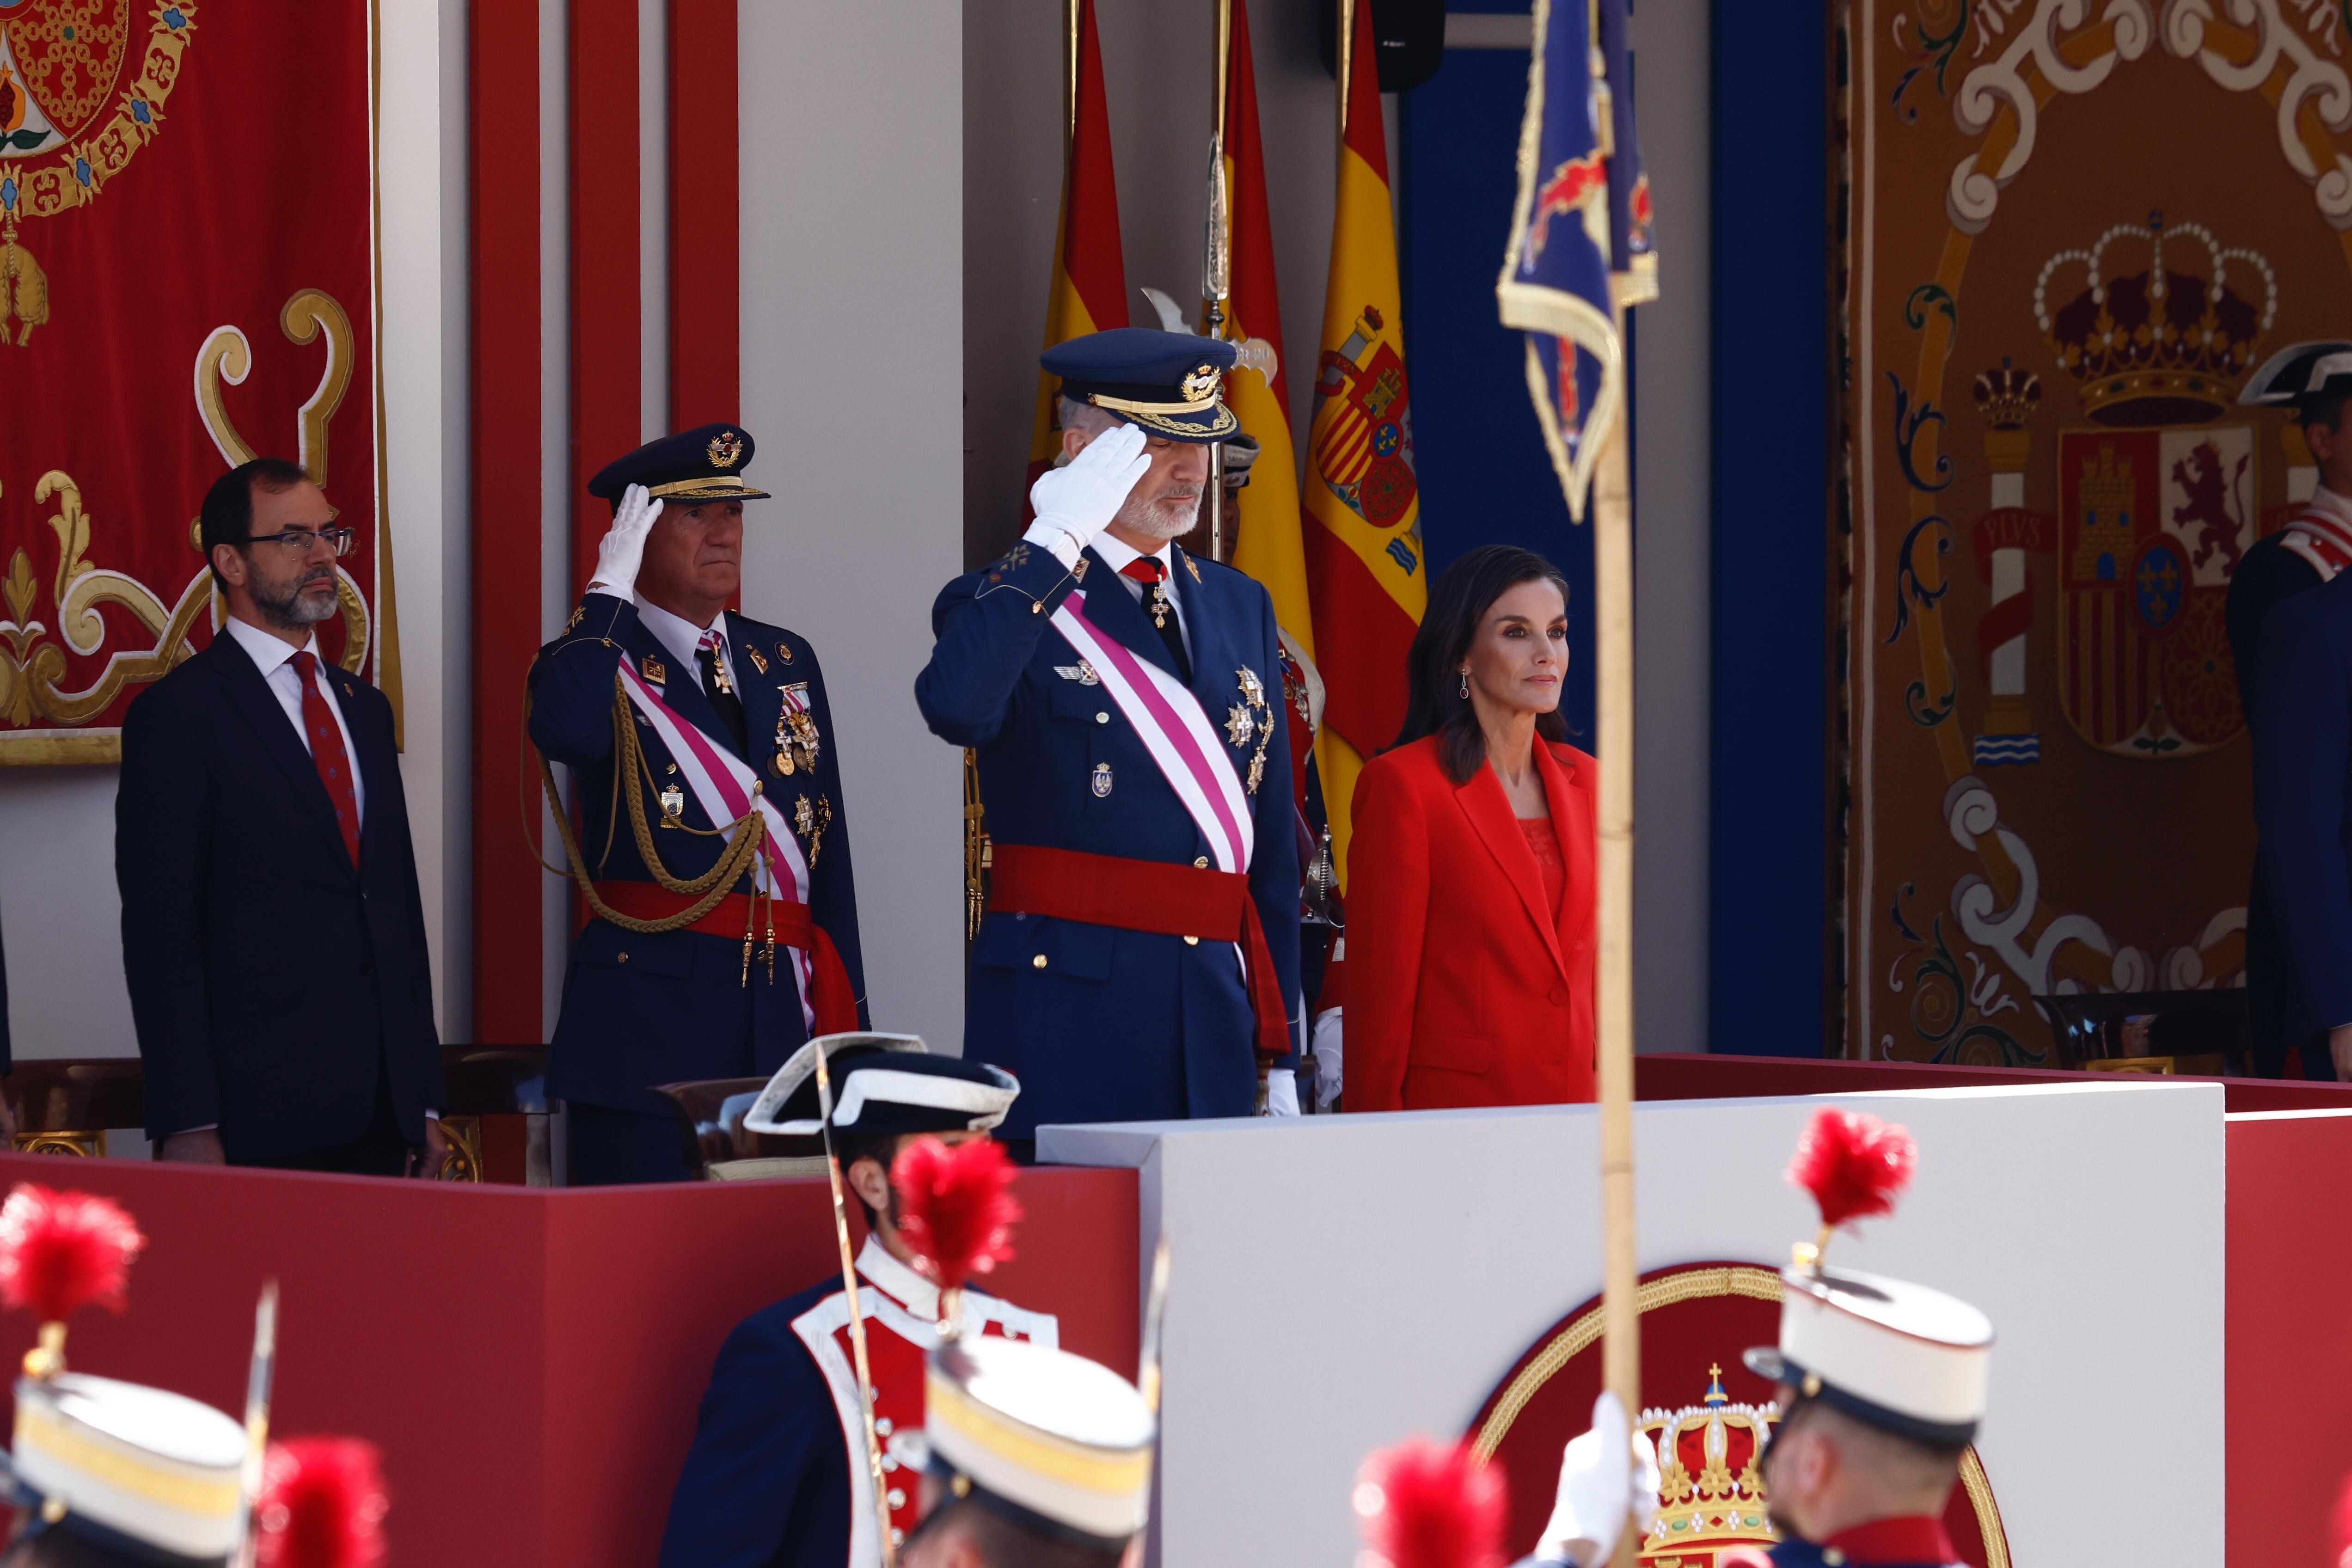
1458,603
226,517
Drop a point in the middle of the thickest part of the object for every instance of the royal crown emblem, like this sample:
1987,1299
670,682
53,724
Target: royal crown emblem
2167,345
1710,1479
725,449
1201,385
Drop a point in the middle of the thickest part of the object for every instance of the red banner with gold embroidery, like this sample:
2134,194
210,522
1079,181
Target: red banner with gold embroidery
187,279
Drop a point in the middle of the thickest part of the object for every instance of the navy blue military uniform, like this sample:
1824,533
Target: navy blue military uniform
641,1009
2275,569
1100,1022
2303,800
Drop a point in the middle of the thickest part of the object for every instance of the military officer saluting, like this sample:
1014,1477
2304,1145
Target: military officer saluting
1139,958
712,847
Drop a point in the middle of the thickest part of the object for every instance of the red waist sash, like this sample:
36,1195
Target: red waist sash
739,917
1149,896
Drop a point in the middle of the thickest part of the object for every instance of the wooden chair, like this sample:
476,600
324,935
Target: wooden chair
498,1120
65,1105
710,1121
2207,1032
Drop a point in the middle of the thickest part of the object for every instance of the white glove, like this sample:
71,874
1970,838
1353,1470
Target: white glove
622,549
1607,1475
1327,1058
1078,501
1281,1092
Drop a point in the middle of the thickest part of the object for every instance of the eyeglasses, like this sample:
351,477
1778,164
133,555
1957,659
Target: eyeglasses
299,540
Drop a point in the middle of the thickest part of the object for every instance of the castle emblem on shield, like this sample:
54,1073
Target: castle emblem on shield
2159,502
69,121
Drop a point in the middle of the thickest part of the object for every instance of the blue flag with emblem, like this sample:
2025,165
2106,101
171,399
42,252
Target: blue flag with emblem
1582,214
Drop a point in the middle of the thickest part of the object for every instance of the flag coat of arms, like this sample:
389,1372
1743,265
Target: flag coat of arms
1582,214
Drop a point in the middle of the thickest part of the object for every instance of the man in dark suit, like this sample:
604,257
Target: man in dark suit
272,933
714,849
1140,956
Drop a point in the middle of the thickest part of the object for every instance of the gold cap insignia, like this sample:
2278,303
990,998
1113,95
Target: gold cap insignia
1201,385
725,449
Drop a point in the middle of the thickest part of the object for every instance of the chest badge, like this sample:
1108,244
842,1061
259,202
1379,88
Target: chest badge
758,662
1251,717
673,805
1102,781
1241,725
784,653
655,670
798,741
1082,672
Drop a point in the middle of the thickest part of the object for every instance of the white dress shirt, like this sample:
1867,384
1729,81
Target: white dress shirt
684,639
274,657
1116,555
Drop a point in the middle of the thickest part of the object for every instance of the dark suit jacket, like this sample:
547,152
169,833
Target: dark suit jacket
268,977
1060,766
645,1008
1462,987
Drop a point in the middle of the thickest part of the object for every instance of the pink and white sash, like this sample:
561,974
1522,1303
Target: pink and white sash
726,791
1175,730
2322,533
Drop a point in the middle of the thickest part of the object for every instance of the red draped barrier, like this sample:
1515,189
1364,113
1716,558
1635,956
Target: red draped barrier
529,1360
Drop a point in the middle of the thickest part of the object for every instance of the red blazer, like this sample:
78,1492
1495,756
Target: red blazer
1463,988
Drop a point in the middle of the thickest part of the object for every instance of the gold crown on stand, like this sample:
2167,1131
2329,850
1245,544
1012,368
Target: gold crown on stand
2167,345
2008,396
1710,1479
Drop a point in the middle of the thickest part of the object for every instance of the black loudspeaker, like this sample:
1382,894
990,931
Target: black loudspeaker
1408,36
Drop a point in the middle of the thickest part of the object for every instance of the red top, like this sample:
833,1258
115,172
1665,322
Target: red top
1470,968
1545,844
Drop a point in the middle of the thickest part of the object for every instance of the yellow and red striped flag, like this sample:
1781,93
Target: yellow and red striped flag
1365,568
1269,546
1089,287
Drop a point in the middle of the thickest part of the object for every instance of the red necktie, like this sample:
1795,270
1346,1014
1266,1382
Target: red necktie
1152,572
327,753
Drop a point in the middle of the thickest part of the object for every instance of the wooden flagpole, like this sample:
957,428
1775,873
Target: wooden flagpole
1612,574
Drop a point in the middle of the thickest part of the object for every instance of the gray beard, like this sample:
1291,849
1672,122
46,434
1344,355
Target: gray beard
1147,518
288,609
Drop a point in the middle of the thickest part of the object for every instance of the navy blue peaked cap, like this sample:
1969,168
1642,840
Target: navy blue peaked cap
1168,383
706,463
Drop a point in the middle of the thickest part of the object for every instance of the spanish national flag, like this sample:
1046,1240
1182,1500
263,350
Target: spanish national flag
1269,545
1090,288
1365,568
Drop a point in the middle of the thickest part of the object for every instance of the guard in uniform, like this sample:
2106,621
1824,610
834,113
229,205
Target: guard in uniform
1882,1386
1046,1459
2313,380
777,1476
1139,959
712,846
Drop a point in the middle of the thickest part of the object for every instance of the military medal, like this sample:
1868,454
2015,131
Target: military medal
811,820
1240,725
798,741
1159,606
1248,716
1102,781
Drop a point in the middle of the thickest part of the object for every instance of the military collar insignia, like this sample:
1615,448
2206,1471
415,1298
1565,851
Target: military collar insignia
1189,564
758,662
725,449
654,670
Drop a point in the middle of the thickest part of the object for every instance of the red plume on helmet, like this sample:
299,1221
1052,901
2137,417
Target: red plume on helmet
1428,1505
322,1506
1854,1166
956,1208
60,1252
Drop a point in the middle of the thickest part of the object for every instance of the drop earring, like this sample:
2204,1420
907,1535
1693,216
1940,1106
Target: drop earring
1466,685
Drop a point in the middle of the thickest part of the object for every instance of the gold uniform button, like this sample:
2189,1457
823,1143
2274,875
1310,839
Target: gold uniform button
1191,941
1038,962
1201,862
625,958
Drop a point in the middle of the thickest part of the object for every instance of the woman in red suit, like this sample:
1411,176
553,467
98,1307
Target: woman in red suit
1471,874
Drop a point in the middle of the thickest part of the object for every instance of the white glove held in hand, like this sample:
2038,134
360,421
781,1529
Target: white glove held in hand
1076,502
1607,1477
623,548
1281,1092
